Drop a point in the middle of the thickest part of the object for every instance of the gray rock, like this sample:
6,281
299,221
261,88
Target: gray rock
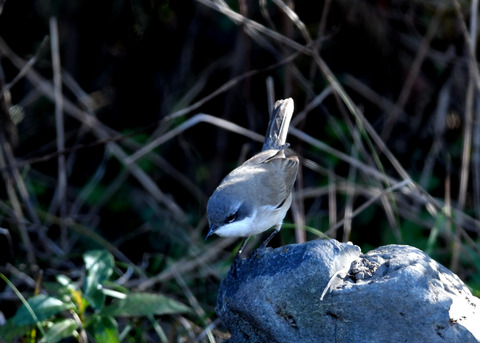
391,294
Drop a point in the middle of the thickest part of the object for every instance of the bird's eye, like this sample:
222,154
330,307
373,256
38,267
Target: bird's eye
231,218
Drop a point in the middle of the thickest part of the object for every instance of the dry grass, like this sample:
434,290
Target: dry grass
380,165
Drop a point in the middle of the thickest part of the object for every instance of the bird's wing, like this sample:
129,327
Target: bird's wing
287,167
263,156
277,176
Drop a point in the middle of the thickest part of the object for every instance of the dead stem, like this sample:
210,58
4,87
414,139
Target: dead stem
60,200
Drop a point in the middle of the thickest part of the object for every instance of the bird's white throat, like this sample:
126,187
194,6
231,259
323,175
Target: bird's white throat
260,220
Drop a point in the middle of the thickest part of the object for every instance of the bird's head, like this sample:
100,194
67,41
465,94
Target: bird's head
229,213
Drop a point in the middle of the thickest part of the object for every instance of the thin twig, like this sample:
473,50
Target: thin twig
413,72
194,303
352,173
61,191
467,133
186,265
476,160
316,101
332,200
15,204
470,38
198,118
254,26
440,119
19,183
298,211
368,203
30,63
99,130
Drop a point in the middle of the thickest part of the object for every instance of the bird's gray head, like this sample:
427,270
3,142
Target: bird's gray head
228,215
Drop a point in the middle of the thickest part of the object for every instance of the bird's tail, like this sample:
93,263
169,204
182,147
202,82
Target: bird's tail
277,130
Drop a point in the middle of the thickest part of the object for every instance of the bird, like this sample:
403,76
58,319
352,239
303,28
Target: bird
256,196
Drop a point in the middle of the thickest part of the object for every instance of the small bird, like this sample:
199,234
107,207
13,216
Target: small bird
257,195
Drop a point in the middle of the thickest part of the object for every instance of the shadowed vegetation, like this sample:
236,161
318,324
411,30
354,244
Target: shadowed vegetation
118,120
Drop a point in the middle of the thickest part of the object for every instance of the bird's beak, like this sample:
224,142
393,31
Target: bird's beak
213,228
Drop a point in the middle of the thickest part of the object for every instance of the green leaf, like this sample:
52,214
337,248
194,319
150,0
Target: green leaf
105,329
66,282
144,304
43,306
60,330
10,331
99,264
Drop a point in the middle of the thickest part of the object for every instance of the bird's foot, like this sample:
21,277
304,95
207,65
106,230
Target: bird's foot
253,255
265,242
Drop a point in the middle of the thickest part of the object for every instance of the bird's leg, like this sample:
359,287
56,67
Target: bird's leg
237,257
276,230
244,243
253,254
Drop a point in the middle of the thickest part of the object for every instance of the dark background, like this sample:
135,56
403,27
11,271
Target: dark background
137,62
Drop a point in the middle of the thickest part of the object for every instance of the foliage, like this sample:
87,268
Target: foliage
113,136
93,308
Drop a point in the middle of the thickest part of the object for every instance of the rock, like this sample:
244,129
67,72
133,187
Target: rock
391,294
